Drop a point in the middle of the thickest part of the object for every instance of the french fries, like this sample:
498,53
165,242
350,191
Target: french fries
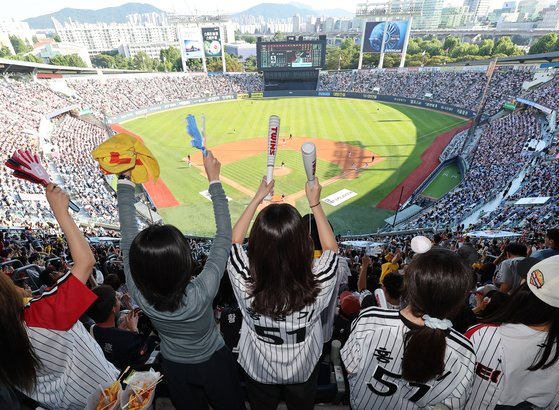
109,396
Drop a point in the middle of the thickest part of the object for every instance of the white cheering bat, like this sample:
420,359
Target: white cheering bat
273,138
308,149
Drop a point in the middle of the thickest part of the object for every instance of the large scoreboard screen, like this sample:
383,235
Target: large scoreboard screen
283,55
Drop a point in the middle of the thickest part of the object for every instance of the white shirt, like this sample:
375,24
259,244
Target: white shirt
281,351
503,355
373,358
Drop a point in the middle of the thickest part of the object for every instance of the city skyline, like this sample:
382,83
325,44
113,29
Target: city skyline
24,9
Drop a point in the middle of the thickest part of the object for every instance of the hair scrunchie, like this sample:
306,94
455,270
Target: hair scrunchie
434,323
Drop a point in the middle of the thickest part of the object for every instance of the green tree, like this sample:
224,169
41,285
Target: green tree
413,47
143,62
171,58
55,37
450,42
486,47
249,39
459,51
194,64
505,46
71,60
214,65
545,44
103,61
434,48
19,45
232,64
250,64
5,52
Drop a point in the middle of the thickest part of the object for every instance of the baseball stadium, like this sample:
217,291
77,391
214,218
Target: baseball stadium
149,262
364,147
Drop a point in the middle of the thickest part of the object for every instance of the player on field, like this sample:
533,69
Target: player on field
517,357
413,358
281,291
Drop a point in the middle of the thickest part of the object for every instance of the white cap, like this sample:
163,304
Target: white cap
543,280
420,244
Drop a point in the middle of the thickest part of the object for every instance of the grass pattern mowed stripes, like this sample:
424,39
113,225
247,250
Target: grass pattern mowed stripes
398,133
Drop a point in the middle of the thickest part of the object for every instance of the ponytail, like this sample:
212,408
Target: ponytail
424,350
435,286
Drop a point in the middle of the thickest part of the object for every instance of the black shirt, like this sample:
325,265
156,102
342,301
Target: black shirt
122,347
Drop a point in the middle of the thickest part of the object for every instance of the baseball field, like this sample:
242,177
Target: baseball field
365,149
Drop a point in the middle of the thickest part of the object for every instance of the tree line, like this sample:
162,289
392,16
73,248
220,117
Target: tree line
427,51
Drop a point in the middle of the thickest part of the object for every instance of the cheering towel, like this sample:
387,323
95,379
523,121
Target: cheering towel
122,152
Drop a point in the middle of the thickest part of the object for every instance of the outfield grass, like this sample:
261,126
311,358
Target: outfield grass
447,178
398,133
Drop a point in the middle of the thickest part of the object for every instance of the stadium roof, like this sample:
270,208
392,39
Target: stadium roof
16,66
526,59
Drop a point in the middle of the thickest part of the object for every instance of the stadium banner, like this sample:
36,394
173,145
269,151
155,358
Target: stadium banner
339,197
394,36
256,95
191,43
433,105
535,105
243,96
536,200
168,106
493,234
211,39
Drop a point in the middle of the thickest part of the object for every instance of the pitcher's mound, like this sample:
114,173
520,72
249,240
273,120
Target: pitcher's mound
281,172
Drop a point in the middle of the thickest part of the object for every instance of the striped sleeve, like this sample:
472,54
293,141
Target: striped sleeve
238,271
488,367
325,267
60,306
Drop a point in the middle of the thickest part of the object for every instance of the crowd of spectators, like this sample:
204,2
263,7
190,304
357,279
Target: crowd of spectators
460,88
74,140
375,279
22,105
497,159
541,180
546,94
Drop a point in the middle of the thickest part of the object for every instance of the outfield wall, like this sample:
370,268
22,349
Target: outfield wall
169,106
452,109
462,112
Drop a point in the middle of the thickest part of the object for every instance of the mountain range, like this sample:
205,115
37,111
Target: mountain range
277,10
105,15
118,14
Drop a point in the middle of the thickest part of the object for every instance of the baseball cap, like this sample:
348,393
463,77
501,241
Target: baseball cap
543,280
350,305
345,294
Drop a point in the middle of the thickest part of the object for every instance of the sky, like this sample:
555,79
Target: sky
22,9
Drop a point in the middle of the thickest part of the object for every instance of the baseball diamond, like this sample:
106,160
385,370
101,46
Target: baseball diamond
363,146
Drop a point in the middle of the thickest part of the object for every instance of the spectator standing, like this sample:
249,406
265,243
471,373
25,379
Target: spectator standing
281,291
414,358
158,265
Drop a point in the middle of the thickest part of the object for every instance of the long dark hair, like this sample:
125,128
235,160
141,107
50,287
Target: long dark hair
436,283
161,266
280,253
18,361
525,308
